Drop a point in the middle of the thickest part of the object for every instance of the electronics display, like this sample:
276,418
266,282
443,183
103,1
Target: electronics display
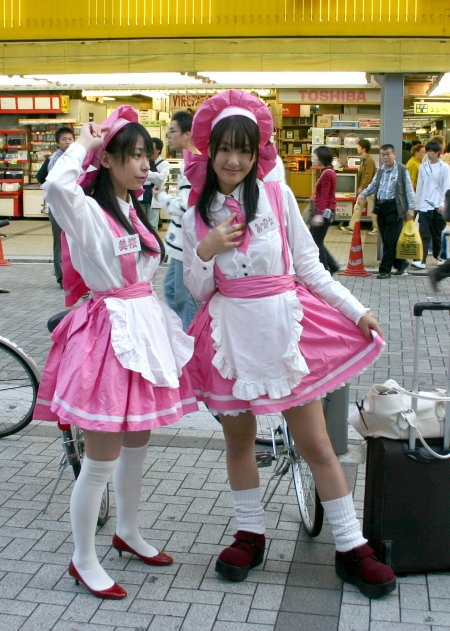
346,184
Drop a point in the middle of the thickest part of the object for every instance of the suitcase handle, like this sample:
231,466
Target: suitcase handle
420,307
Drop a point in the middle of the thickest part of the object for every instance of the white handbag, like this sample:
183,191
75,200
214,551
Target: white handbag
386,410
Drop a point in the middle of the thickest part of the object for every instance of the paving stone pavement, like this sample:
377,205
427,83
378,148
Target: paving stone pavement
186,509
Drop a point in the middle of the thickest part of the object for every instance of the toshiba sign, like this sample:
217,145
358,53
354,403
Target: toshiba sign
317,95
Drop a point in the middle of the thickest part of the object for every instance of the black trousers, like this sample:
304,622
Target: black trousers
442,271
56,230
390,225
319,233
431,225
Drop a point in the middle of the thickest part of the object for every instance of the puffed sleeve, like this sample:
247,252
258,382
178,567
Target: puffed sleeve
79,216
198,275
309,269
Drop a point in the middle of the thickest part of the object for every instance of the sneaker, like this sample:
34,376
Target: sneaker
360,567
418,264
383,276
400,273
440,261
373,232
245,553
346,229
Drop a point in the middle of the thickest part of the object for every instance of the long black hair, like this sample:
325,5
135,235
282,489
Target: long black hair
122,146
241,132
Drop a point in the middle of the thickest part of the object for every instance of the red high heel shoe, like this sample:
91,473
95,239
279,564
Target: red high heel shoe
159,559
113,593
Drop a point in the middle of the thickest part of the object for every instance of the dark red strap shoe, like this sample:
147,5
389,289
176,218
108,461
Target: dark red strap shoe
361,568
245,553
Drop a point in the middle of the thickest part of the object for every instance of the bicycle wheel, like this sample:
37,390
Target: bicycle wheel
311,509
77,449
264,425
18,390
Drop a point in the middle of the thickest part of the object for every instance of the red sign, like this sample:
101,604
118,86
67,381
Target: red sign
291,110
333,96
30,104
184,101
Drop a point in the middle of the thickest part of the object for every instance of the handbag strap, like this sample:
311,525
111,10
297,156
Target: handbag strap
418,395
406,416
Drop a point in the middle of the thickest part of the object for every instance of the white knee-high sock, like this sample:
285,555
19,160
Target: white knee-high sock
345,525
249,510
127,480
84,507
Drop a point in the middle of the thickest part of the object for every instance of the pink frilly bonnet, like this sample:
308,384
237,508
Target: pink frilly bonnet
228,103
91,164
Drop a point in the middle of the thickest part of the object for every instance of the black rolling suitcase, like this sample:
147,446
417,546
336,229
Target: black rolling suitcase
407,493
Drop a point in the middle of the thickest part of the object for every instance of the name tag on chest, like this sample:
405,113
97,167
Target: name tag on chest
127,244
263,224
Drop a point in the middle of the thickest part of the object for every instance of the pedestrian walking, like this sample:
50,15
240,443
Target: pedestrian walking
156,177
366,172
177,295
116,365
433,182
324,205
413,164
64,138
394,202
263,341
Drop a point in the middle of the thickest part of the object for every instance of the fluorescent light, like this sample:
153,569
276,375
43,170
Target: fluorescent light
144,79
443,87
109,98
284,79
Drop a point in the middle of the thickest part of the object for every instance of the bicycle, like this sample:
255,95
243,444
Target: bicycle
74,448
288,458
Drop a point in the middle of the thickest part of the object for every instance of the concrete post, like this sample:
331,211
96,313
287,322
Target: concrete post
391,110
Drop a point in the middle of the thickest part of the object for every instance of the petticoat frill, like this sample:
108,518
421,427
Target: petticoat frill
333,347
84,383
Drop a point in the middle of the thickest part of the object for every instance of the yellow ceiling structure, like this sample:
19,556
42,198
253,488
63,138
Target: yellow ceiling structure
129,19
93,36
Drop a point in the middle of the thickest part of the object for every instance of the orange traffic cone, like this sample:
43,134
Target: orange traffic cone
3,261
355,265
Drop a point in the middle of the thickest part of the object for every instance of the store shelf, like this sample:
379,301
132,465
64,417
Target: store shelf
351,129
10,181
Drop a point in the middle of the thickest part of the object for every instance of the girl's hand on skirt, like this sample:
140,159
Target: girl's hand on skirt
222,237
368,322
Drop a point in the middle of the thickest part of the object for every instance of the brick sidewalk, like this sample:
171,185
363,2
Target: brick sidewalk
186,509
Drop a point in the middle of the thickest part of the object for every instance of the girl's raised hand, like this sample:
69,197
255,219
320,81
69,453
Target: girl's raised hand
92,135
368,322
222,237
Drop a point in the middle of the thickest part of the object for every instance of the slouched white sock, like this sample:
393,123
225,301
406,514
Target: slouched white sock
345,525
127,480
84,508
249,510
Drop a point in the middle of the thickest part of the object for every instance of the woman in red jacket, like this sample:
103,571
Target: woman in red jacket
325,205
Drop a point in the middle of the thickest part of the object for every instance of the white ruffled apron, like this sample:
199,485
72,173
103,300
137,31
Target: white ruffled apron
258,306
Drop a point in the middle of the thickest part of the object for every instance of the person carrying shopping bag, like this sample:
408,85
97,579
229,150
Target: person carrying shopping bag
265,342
116,367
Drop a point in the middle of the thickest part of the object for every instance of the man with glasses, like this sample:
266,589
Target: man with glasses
394,202
177,295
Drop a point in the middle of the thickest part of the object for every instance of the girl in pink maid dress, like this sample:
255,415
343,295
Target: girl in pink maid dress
116,367
265,341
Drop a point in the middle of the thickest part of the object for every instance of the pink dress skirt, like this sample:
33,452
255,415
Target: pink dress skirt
334,348
85,384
